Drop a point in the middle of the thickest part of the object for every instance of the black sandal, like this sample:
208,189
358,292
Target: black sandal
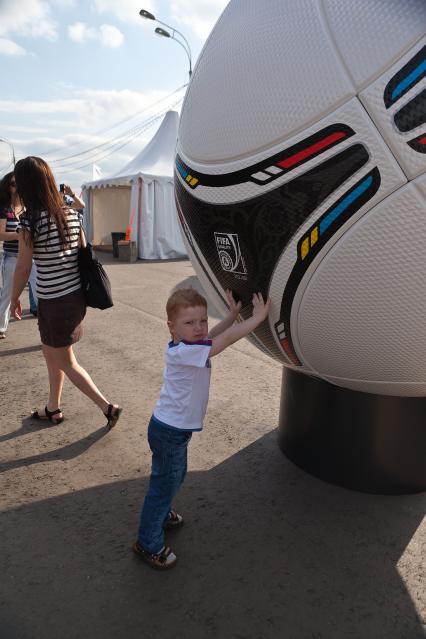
163,561
113,417
49,416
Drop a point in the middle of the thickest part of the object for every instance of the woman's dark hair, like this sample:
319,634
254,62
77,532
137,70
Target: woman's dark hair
38,191
5,196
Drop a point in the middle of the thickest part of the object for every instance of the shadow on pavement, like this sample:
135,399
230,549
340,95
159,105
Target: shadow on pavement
26,315
66,452
20,351
29,425
266,552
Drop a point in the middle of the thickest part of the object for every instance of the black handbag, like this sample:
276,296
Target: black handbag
95,283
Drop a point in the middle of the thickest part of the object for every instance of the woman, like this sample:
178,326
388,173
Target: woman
50,232
11,208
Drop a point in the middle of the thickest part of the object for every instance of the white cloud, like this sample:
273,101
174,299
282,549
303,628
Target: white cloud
74,125
8,47
110,36
40,106
75,171
90,110
21,129
107,34
31,20
66,4
125,10
80,32
201,18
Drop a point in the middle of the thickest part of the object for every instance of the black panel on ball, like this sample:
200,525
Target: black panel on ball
372,443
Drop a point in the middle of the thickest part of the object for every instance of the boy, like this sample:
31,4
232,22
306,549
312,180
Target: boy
181,408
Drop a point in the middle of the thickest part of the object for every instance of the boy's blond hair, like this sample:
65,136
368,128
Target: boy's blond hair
183,298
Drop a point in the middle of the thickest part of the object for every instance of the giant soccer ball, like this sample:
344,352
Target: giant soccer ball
300,172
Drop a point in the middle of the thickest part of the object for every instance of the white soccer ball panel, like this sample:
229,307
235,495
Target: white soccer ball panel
411,161
262,66
420,184
362,304
372,35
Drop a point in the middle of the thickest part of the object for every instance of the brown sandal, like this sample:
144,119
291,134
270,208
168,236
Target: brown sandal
162,561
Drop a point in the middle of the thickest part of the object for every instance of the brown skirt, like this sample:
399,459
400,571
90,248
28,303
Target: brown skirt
60,319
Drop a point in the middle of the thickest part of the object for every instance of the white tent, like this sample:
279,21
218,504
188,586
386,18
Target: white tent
141,196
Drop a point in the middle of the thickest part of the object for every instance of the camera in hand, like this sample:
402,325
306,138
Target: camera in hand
61,188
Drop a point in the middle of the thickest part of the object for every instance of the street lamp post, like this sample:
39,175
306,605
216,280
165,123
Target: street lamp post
13,150
166,34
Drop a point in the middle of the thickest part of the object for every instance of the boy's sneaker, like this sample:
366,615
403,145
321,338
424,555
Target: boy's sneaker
173,520
164,560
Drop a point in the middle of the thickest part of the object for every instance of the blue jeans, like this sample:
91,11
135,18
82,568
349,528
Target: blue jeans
169,465
8,265
33,300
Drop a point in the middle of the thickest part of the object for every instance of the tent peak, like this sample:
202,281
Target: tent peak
157,157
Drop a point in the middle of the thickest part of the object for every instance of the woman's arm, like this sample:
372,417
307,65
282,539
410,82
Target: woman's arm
78,202
5,236
22,272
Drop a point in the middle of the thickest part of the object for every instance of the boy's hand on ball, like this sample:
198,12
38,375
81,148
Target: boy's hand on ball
234,307
260,307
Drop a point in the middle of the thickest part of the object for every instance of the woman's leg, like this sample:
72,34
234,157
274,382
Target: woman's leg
56,382
8,269
65,359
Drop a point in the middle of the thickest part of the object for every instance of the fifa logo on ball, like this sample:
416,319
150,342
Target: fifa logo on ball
228,248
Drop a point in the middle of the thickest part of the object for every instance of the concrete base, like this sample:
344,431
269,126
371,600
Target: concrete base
371,443
127,251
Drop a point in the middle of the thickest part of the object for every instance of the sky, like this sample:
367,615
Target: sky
76,74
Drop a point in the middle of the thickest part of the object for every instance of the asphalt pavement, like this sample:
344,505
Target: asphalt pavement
267,551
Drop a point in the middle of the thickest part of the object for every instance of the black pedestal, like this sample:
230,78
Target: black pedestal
372,443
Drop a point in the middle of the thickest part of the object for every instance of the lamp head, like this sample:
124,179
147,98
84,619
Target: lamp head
146,14
162,32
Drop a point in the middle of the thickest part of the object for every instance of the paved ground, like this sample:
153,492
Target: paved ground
267,551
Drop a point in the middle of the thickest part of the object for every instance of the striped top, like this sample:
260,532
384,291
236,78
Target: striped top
57,266
10,246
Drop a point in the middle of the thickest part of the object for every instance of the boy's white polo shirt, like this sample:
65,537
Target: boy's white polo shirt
185,391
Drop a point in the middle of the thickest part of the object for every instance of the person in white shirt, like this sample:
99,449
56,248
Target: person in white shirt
181,408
